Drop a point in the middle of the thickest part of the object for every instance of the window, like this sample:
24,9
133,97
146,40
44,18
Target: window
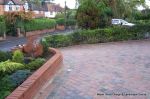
51,13
10,7
17,8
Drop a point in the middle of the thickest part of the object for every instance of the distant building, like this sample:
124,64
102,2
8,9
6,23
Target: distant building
52,9
44,9
10,5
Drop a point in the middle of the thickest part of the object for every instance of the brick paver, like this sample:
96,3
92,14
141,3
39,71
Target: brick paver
104,71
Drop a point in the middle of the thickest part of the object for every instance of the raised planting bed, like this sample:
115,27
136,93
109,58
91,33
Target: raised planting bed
29,88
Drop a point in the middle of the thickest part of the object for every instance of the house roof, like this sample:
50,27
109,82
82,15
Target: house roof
16,2
46,6
56,8
36,7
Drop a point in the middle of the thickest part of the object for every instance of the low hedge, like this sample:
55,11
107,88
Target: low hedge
2,25
39,24
71,22
2,28
60,21
98,36
58,40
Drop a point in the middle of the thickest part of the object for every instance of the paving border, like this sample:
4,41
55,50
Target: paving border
29,88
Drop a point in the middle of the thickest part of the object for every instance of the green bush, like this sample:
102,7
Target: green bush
2,25
71,22
45,45
19,77
9,67
6,87
9,83
60,21
59,40
60,15
18,56
39,24
116,33
2,28
5,56
35,64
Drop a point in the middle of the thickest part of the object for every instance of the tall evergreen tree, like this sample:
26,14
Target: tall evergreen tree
88,15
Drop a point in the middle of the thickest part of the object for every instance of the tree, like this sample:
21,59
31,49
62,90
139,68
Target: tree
124,8
88,15
105,13
120,8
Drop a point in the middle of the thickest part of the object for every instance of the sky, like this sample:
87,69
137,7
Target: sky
71,3
147,3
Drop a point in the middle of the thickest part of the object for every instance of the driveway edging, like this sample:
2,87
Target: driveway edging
29,88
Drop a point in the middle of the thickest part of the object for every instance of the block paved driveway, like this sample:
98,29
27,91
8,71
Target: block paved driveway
104,71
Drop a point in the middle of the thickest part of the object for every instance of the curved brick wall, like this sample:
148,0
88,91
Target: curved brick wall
31,86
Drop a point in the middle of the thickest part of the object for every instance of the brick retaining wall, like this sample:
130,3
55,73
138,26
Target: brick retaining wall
39,32
32,85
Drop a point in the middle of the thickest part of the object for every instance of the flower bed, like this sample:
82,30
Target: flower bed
31,86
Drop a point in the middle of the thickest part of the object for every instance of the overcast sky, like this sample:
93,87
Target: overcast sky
71,3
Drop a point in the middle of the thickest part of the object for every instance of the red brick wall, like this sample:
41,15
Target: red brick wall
31,86
21,8
60,27
39,32
1,9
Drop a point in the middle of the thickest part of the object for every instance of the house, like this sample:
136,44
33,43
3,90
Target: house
46,9
11,5
38,10
52,9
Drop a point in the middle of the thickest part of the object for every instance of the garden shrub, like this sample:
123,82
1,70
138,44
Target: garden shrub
16,20
19,77
60,21
60,15
35,64
58,40
39,24
2,28
2,25
44,44
116,33
71,22
9,67
6,87
9,83
4,56
18,56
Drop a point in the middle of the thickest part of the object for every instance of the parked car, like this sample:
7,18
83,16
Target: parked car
121,22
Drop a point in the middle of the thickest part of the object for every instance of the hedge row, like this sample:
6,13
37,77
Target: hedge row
69,22
97,36
2,28
39,24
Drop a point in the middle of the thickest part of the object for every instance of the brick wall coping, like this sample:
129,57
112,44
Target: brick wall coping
29,88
